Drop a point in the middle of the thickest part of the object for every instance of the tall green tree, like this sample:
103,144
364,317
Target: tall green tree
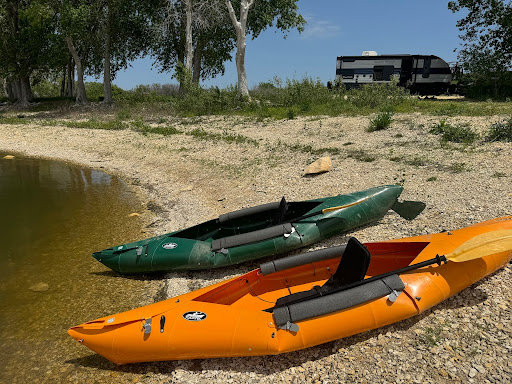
253,17
27,43
193,38
79,27
126,34
487,36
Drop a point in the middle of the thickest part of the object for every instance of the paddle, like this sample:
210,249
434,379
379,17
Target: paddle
407,209
482,245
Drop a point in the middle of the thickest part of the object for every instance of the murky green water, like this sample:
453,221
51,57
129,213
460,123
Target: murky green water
52,217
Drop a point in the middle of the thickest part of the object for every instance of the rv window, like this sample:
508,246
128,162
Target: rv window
426,67
382,72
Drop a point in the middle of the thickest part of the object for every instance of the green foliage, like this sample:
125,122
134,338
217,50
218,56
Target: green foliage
487,48
113,125
454,133
382,96
46,89
94,91
381,121
500,131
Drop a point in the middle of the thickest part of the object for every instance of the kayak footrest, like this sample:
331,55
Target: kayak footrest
334,302
251,237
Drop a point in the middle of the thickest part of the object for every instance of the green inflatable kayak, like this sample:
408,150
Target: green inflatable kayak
256,232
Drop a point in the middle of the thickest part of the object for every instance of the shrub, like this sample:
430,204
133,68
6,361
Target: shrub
500,131
380,122
378,95
454,133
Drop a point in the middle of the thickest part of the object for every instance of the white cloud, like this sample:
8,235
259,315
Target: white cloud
319,29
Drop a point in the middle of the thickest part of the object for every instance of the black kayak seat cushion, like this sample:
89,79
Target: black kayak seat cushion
337,301
301,259
248,211
352,267
251,237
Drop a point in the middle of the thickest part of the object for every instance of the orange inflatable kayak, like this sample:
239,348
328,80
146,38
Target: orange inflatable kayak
304,300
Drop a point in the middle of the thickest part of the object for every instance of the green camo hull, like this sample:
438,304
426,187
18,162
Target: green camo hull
250,233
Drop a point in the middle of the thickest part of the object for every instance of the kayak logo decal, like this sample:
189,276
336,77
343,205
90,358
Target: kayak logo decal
170,246
194,316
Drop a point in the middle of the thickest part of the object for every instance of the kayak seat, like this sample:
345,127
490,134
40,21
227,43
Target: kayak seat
248,211
352,267
251,237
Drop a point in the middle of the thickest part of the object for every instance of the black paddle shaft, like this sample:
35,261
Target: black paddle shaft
436,260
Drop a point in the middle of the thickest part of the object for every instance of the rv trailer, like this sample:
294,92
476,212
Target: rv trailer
422,74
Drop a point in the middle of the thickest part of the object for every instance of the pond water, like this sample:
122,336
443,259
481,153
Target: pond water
53,216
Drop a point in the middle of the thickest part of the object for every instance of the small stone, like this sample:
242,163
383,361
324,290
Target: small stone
8,157
472,372
443,372
322,165
39,287
134,214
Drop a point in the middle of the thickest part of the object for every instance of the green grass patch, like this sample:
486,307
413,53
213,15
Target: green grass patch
112,125
454,133
500,131
227,137
431,336
457,167
499,174
381,121
361,155
432,178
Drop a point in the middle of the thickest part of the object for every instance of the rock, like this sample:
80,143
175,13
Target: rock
8,157
322,165
39,287
472,372
134,214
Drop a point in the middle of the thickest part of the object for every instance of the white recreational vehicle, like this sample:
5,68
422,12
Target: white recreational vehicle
423,74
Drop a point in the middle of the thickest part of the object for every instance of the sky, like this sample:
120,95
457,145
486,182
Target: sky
335,28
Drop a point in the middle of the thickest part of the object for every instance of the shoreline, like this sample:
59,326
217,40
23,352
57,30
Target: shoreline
185,179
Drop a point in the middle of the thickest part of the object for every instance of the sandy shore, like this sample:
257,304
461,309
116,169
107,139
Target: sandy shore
187,178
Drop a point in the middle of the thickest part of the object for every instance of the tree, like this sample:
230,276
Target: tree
487,36
27,43
265,13
125,35
78,27
193,38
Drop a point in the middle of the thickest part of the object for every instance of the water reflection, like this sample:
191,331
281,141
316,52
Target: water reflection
54,215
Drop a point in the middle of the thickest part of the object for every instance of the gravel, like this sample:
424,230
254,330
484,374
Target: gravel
186,178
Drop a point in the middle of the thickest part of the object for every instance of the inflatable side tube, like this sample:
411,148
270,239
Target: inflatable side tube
337,301
251,237
302,259
248,211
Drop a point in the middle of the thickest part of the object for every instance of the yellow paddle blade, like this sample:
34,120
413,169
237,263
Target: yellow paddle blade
483,245
345,206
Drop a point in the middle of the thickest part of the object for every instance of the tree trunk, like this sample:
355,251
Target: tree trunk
81,96
25,92
16,87
198,54
10,90
63,82
107,82
189,48
240,29
71,77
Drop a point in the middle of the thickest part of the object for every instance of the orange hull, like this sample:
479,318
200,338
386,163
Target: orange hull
228,319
